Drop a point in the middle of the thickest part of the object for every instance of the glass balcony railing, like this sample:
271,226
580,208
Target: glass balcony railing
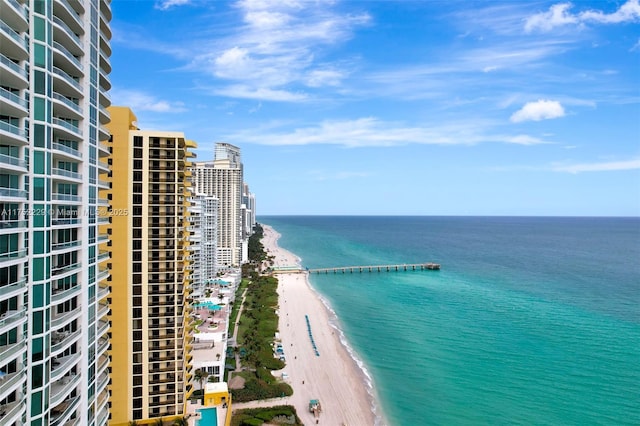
72,81
66,173
16,99
66,149
14,35
13,192
68,102
67,125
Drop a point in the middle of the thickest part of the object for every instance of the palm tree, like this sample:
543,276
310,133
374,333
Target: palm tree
181,421
133,423
201,375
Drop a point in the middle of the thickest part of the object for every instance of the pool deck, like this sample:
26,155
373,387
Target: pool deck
194,415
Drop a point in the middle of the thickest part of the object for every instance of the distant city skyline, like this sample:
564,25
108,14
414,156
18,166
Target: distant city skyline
416,108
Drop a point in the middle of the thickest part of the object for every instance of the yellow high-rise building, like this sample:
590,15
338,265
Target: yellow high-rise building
150,271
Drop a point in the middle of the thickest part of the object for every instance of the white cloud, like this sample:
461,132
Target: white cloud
599,167
168,4
319,78
370,132
539,110
556,16
139,101
278,46
636,46
260,93
524,140
559,15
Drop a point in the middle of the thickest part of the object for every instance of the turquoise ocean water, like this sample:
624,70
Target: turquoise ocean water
530,321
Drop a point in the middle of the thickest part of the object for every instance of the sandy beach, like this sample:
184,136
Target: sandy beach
333,377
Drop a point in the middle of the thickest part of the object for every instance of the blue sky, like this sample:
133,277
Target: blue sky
398,107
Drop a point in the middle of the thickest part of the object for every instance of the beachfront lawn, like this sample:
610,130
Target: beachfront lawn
259,323
279,415
255,387
236,306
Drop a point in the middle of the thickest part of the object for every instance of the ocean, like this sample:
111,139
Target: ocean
532,321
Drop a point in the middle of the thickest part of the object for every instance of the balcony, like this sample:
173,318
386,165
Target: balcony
12,225
66,151
60,294
68,129
103,327
14,193
12,104
103,291
103,238
13,44
102,274
68,14
62,33
66,60
13,134
66,107
64,246
103,255
103,166
11,382
103,363
66,221
59,320
103,309
103,416
14,289
65,83
11,319
61,341
105,117
103,346
67,174
102,382
12,255
66,197
60,389
9,352
13,75
12,412
13,163
103,133
15,14
61,413
60,271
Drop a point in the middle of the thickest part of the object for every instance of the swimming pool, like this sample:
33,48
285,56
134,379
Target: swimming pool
209,305
208,417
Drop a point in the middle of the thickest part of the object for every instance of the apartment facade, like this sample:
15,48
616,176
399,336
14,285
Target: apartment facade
223,178
54,290
203,227
151,280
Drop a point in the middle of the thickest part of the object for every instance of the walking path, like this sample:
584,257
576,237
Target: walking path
235,330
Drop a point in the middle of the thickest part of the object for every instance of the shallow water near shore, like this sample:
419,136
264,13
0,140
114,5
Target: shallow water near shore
530,320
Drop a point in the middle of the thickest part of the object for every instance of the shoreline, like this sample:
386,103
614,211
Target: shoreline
320,363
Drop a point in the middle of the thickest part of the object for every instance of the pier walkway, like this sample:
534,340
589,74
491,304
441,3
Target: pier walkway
351,269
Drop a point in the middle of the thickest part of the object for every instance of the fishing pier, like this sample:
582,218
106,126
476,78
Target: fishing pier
359,269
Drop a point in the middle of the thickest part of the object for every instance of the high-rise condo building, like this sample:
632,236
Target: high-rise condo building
222,178
151,274
248,219
203,226
54,328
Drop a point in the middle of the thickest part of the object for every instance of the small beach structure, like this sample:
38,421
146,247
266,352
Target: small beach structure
315,407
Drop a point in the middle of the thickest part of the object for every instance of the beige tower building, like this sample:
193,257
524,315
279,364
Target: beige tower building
151,271
223,178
